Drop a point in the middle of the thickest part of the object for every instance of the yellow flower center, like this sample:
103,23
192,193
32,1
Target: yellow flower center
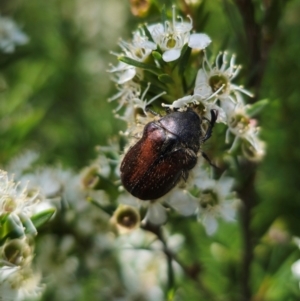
128,218
240,123
171,42
208,199
9,204
217,82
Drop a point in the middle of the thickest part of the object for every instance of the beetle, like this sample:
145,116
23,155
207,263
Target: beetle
165,154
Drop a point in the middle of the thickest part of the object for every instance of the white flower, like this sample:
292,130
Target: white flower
245,129
140,48
18,205
123,73
58,261
21,284
156,212
10,35
17,280
172,36
215,199
179,199
23,162
215,82
136,111
203,107
127,92
254,151
143,263
45,181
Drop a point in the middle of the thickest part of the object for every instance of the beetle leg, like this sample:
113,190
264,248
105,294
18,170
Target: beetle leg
204,155
212,121
185,175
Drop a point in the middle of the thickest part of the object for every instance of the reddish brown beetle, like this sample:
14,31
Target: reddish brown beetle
165,153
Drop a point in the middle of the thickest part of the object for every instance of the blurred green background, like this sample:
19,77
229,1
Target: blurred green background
53,98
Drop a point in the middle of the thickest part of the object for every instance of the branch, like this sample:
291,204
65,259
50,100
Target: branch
249,197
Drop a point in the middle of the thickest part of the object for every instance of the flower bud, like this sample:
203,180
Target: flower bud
126,219
139,8
90,177
17,252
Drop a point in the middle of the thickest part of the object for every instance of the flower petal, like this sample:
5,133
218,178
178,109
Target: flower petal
126,76
171,55
210,223
128,199
202,89
227,211
183,202
156,214
199,41
224,186
181,102
183,27
296,269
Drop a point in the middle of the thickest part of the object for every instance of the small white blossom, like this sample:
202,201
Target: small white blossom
136,112
143,263
127,92
45,181
123,73
214,82
21,284
172,36
203,107
22,163
17,279
215,199
10,35
16,203
57,259
245,129
140,48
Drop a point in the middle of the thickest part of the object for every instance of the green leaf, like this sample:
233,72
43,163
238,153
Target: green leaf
166,79
163,14
256,107
157,55
185,55
12,227
132,62
29,226
41,218
147,33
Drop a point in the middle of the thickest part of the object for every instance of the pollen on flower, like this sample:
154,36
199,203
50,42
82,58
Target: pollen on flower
208,199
